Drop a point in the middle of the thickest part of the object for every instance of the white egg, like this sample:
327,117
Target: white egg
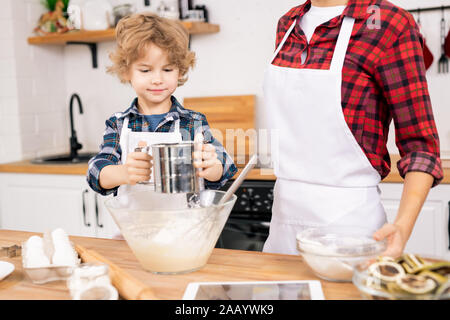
35,241
34,253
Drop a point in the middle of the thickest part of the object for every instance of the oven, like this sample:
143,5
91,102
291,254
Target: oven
247,227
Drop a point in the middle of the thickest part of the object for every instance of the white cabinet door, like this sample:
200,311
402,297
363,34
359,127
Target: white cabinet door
41,202
105,225
430,236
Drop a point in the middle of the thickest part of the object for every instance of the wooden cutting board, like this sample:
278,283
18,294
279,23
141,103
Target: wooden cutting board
235,114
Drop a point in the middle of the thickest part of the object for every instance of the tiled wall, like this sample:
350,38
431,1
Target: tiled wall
32,87
10,146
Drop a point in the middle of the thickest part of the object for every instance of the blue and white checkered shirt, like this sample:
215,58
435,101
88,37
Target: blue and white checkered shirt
191,122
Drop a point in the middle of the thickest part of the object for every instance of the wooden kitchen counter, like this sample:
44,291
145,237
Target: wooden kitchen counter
26,166
256,174
223,265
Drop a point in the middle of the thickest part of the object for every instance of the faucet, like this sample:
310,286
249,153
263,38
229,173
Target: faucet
74,145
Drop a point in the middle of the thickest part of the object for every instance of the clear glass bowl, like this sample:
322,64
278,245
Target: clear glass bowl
165,232
333,252
373,289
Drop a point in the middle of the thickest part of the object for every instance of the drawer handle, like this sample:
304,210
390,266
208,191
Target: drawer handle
96,213
87,224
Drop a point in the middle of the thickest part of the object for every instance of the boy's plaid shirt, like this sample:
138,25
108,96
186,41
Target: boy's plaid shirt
383,80
191,122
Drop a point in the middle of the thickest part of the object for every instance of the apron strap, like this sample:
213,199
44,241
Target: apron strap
123,140
340,51
284,40
125,124
177,126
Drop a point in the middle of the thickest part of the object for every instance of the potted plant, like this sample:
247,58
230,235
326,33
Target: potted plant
55,20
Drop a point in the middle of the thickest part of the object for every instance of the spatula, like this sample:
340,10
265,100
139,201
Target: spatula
232,189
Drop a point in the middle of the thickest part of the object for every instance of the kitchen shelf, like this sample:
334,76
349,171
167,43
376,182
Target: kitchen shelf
109,34
91,38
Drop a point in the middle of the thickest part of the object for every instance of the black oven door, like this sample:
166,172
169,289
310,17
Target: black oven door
241,234
247,227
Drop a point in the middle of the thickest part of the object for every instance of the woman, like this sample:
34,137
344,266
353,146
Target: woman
336,80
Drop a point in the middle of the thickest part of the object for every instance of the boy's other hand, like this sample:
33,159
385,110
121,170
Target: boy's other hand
206,158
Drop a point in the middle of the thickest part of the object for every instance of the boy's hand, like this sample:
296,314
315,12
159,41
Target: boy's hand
138,166
206,158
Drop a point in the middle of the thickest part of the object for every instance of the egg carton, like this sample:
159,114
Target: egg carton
41,275
51,272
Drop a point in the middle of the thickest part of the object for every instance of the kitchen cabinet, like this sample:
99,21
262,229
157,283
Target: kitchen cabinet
430,236
40,202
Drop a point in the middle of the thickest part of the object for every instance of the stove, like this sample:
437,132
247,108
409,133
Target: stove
247,227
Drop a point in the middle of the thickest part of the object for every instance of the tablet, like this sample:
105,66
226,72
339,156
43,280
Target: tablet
255,290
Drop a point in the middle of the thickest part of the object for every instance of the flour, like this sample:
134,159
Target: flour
333,258
330,268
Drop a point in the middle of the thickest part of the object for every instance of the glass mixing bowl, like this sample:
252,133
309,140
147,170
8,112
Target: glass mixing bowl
167,233
333,252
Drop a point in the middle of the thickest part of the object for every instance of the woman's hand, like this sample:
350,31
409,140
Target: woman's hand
396,241
415,190
138,166
206,158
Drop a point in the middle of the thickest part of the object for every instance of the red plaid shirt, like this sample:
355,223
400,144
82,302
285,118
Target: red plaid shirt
383,79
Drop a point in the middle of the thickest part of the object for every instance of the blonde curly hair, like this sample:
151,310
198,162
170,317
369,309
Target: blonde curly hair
135,32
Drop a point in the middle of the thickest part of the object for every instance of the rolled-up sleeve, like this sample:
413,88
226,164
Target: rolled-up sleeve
401,76
110,154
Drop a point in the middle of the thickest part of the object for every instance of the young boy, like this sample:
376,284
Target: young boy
152,55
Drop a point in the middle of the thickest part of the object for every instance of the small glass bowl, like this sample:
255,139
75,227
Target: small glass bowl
333,252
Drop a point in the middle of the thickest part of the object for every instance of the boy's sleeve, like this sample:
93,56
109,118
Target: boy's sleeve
110,154
229,168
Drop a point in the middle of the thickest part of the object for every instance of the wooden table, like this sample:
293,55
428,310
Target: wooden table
223,265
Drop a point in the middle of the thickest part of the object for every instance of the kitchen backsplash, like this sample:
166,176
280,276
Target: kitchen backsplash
32,87
36,81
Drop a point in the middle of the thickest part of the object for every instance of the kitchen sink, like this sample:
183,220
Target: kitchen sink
64,158
73,156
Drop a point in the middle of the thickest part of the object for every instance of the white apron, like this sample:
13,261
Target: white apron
129,141
323,176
